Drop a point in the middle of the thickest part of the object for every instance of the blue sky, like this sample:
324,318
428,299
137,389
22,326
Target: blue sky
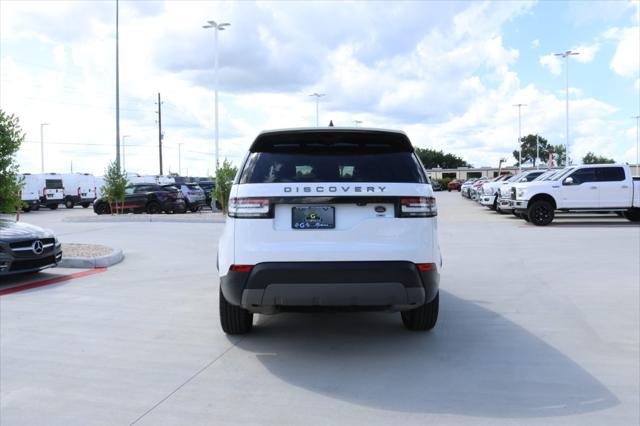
447,73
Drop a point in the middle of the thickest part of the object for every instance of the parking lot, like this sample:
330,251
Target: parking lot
537,326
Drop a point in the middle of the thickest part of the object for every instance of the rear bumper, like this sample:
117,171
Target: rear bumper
272,287
175,206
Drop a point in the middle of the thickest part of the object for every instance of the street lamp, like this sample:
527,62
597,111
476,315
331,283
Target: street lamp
217,27
180,158
637,118
42,146
317,96
124,140
566,55
520,136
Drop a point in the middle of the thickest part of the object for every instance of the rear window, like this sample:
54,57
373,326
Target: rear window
610,174
193,186
332,165
53,184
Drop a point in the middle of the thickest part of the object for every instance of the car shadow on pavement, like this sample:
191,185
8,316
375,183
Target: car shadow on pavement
474,363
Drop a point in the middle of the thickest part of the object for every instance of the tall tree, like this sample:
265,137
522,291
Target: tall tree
559,154
432,159
224,180
11,137
529,152
115,182
591,158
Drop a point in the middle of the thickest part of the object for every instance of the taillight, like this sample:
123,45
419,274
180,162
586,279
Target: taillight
240,268
418,207
423,267
258,208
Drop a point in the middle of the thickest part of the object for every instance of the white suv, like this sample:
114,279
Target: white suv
330,218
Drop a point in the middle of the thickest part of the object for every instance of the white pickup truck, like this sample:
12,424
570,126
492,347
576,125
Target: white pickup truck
587,188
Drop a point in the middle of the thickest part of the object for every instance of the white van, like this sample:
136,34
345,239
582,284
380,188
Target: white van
30,189
80,188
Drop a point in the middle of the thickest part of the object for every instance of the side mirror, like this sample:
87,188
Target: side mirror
568,181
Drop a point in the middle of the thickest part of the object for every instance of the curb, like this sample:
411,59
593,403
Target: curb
115,257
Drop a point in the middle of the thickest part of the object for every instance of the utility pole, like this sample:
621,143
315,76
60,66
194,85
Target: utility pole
637,118
117,90
317,96
160,131
520,136
566,55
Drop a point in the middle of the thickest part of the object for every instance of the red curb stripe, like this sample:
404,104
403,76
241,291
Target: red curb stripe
51,281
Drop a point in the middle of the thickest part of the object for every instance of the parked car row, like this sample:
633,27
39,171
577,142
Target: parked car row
153,198
70,189
537,195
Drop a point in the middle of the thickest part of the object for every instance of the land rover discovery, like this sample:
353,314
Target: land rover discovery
330,218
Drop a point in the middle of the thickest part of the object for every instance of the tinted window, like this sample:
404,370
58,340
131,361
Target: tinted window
53,184
532,176
584,175
610,174
327,165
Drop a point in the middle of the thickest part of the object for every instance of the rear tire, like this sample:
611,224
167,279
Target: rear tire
234,319
633,215
541,213
154,208
69,204
102,208
195,209
85,205
423,318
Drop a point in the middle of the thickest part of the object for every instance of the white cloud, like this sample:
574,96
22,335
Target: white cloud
586,52
448,78
626,60
552,62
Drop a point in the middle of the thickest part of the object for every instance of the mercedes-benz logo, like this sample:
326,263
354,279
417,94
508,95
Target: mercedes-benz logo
37,247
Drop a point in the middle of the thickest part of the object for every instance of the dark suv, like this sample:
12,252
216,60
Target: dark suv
146,197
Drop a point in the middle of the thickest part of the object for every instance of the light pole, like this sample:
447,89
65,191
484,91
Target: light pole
42,146
637,118
124,140
566,55
216,27
180,158
117,88
520,135
317,96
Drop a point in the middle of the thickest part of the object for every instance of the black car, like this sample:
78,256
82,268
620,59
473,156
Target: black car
207,186
26,248
146,197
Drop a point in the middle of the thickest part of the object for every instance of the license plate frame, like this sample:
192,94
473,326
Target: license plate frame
313,217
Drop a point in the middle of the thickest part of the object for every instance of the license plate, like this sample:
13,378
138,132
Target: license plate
313,217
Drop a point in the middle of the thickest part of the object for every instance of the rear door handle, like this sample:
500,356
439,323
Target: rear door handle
594,187
625,186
